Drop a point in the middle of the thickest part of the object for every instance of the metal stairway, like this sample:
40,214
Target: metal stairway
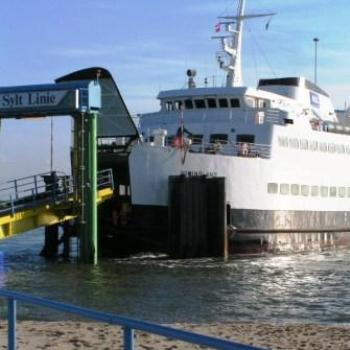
43,200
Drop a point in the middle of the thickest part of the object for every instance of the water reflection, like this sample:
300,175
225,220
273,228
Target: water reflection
295,288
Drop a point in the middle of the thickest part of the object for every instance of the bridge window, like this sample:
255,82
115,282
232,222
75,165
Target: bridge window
211,102
234,103
223,103
178,105
199,104
169,106
272,187
188,104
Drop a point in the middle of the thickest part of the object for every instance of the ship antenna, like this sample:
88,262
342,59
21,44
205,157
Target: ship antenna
229,58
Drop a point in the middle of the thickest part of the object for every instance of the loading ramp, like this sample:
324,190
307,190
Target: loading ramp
44,199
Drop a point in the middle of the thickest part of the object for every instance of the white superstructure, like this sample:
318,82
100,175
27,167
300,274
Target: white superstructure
280,147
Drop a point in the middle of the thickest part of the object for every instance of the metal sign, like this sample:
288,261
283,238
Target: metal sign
48,100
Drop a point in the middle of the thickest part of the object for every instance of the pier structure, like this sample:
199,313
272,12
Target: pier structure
59,201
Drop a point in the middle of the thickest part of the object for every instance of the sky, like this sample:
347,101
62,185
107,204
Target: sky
148,46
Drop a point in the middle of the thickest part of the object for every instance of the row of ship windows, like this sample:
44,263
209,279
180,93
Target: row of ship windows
202,103
315,146
211,102
306,190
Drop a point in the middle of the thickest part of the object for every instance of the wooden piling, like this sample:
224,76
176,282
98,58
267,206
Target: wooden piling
50,249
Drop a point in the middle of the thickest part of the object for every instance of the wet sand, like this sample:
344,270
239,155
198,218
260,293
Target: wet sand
84,335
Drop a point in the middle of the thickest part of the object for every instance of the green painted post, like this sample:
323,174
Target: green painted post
88,239
93,185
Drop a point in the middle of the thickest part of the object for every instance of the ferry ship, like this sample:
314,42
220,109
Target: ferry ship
279,146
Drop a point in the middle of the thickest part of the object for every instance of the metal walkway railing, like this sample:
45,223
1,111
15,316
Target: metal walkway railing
128,324
44,188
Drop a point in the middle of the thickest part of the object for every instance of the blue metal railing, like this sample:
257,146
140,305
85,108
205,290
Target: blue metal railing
129,325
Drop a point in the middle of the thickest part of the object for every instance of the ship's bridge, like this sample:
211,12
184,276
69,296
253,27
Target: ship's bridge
303,91
217,98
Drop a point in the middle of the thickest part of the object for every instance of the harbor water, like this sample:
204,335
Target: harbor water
306,288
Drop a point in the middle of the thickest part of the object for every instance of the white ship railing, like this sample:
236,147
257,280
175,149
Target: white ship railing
223,147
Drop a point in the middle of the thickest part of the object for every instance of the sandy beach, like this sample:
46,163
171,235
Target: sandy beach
84,335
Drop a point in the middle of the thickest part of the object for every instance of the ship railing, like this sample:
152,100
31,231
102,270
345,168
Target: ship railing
223,147
128,325
50,187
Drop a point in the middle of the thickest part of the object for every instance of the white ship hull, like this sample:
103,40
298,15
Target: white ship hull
273,221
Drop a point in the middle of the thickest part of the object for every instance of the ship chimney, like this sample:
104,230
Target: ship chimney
191,73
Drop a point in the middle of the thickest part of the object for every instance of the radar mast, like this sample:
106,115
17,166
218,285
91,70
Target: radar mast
229,58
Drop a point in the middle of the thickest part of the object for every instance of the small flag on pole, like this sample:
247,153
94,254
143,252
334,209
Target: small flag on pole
217,27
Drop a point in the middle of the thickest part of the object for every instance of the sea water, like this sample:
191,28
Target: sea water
311,287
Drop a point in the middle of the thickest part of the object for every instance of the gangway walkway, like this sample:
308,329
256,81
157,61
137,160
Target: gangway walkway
44,199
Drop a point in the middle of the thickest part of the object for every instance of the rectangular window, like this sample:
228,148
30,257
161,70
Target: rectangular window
340,149
234,103
313,146
294,143
305,190
199,104
170,139
304,144
218,138
284,189
341,192
324,191
211,102
333,191
251,102
283,141
196,139
272,187
245,138
314,191
188,104
169,106
178,105
223,103
331,147
323,147
295,189
262,104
